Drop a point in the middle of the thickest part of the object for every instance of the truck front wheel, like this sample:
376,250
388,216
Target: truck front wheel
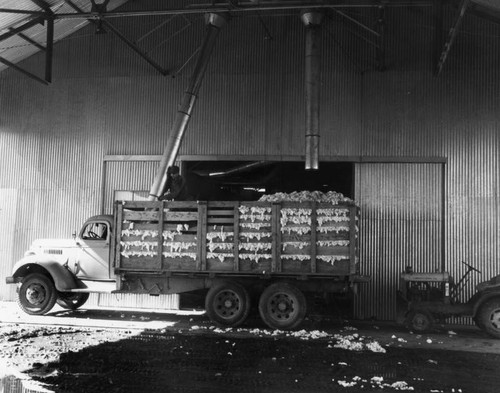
227,304
37,294
282,306
72,300
488,317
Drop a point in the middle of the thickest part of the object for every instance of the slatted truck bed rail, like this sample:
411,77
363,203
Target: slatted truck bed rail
307,239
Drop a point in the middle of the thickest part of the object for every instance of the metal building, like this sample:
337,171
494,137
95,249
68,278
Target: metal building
409,94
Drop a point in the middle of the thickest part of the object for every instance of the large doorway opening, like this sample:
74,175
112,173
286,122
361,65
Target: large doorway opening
249,180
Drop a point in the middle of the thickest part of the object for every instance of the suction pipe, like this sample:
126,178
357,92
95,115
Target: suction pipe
214,23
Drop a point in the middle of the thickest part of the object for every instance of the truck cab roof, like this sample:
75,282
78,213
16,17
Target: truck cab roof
101,217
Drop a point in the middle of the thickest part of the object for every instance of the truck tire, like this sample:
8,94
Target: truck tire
488,317
282,306
37,294
227,304
71,300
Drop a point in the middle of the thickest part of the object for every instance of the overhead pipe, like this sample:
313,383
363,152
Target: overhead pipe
214,23
239,169
312,21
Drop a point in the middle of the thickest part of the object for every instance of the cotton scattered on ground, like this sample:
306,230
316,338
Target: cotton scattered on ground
375,382
350,342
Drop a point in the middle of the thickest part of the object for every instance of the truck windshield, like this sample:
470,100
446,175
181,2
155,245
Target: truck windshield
95,231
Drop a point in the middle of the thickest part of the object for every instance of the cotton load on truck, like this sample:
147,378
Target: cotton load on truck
268,253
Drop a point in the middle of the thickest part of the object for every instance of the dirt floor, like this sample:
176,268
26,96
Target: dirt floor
96,350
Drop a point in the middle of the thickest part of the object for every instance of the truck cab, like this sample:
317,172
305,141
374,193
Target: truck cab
65,271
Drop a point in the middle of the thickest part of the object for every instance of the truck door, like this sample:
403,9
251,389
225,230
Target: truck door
93,255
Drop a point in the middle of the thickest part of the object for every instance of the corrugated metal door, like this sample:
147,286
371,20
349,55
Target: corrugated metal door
8,208
401,225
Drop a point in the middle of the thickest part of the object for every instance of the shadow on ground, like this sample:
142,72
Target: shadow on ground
172,362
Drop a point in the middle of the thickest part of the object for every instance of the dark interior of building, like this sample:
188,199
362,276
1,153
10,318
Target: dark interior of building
249,180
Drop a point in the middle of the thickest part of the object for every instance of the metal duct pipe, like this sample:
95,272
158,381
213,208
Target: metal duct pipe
312,21
239,169
214,23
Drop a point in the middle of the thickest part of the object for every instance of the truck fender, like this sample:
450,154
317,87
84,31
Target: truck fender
63,279
480,298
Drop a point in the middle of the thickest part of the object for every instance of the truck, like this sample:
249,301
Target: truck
271,254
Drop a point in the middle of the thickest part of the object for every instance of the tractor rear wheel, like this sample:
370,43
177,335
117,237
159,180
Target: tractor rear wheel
488,317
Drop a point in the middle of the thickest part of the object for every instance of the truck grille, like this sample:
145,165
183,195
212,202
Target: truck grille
59,252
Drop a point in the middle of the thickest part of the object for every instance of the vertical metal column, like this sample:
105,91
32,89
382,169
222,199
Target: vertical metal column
214,23
312,20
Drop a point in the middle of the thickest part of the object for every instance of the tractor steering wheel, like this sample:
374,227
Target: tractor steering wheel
471,267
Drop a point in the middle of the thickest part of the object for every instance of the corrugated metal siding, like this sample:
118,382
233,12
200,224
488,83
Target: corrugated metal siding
8,212
473,206
105,100
400,226
161,302
129,176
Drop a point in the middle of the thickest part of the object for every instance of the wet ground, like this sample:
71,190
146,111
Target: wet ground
127,351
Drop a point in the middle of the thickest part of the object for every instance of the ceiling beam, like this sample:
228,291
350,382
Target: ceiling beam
452,35
252,7
14,31
134,47
380,48
49,50
484,12
438,34
129,43
31,41
49,21
21,12
43,5
23,71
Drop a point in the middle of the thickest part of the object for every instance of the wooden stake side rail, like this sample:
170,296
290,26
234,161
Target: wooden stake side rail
239,238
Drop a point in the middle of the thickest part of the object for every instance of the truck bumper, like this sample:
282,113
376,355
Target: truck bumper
10,280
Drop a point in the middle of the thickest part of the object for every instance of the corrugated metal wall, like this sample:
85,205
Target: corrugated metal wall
105,100
8,210
127,175
401,225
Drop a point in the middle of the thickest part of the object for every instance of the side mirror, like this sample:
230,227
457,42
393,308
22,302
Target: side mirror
76,239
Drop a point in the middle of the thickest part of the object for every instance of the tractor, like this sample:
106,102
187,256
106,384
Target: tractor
424,299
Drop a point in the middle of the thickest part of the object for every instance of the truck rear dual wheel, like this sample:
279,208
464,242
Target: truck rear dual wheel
227,304
71,300
282,306
488,317
37,294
